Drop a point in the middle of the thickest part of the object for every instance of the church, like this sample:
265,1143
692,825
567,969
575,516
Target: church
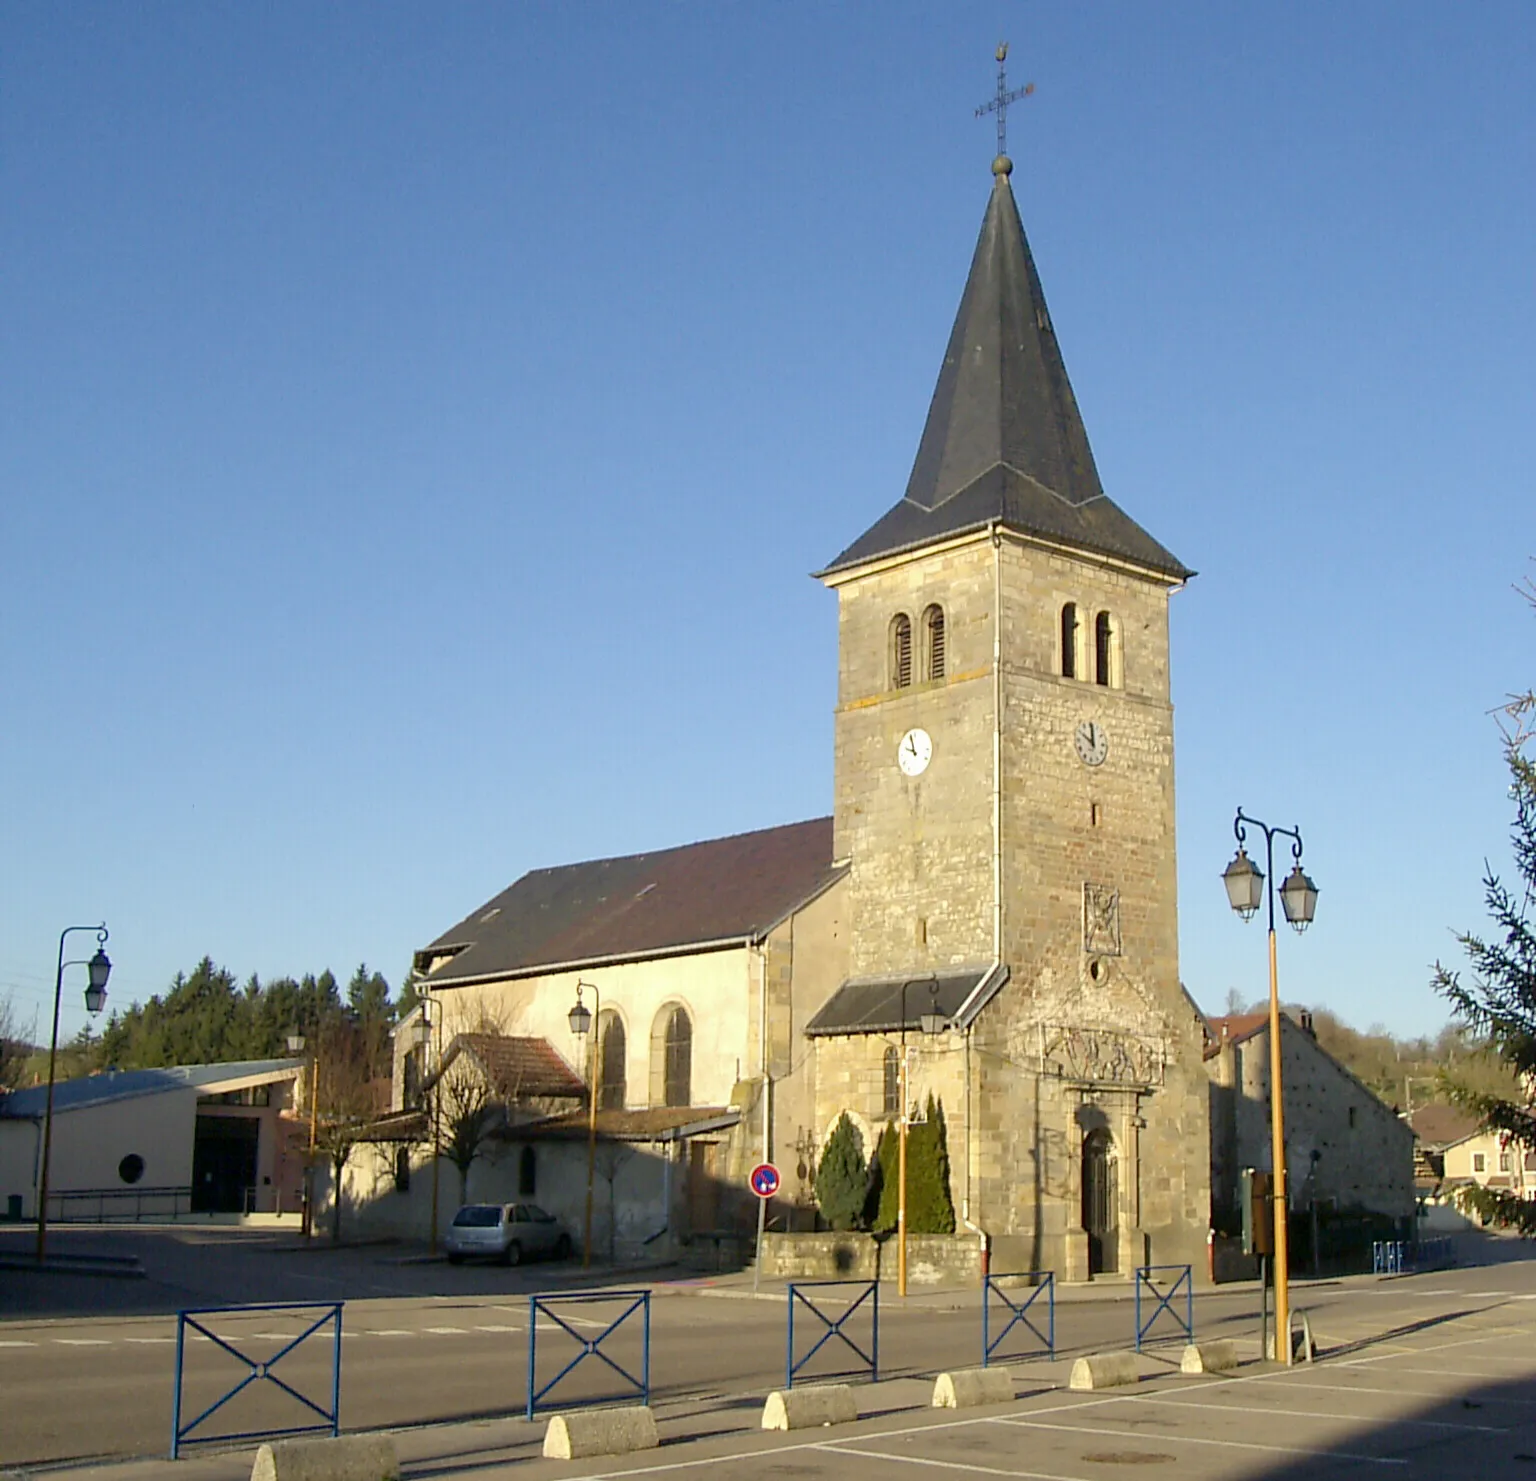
991,909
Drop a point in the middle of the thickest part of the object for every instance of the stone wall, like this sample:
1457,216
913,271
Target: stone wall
932,1259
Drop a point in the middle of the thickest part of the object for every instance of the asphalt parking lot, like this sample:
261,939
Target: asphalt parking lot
1431,1375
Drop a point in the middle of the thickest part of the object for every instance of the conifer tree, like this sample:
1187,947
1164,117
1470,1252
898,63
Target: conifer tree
842,1177
884,1189
930,1210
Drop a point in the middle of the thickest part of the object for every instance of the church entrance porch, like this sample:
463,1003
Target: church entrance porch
1101,1201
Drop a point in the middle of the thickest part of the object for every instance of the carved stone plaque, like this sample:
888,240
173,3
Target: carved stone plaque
1101,1056
1101,920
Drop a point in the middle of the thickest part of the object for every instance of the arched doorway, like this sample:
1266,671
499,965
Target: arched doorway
1101,1199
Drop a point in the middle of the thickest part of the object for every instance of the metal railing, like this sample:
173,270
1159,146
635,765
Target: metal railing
75,1205
258,1370
1403,1257
1044,1286
869,1290
591,1347
1157,1282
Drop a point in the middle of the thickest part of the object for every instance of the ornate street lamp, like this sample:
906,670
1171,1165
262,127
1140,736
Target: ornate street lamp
1298,898
931,1022
98,968
580,1018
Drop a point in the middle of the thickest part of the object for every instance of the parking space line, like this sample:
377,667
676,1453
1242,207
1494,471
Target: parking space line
970,1467
1412,1393
1428,1424
1083,1429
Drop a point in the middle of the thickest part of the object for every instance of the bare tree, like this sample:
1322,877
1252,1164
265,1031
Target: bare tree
347,1100
14,1048
471,1093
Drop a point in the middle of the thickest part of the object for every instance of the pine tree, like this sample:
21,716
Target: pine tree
930,1210
842,1177
1499,1003
884,1182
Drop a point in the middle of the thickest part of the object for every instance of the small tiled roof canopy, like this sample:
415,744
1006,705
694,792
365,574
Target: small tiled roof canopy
718,891
522,1066
873,1005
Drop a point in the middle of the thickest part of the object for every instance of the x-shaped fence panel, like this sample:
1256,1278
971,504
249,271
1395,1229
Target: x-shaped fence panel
1164,1283
868,1291
1020,1313
258,1371
590,1347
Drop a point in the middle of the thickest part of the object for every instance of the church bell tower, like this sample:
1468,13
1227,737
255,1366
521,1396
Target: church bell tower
1005,796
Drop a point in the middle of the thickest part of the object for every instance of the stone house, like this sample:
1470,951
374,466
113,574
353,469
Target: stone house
1346,1149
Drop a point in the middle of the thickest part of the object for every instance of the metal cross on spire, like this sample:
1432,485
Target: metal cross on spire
999,104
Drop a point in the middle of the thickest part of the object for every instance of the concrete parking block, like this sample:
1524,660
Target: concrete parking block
345,1458
587,1432
966,1388
1103,1370
815,1407
1209,1357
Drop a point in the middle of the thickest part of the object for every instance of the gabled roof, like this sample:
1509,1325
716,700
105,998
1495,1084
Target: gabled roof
515,1066
1442,1126
874,1005
716,893
1004,440
90,1090
1233,1028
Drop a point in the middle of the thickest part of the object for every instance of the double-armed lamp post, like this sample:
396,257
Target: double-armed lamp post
99,969
1246,891
580,1018
931,1022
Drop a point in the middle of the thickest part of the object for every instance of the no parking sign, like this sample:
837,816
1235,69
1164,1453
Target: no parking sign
764,1180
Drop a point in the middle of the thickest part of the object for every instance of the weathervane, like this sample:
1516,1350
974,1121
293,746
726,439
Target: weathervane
999,104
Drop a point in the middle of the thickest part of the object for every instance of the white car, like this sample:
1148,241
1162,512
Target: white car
508,1232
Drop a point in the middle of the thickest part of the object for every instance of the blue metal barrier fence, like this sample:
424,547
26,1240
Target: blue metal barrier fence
258,1370
1044,1283
869,1291
1402,1257
1156,1279
591,1347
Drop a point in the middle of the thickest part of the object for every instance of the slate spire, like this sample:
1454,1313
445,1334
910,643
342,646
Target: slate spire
1004,439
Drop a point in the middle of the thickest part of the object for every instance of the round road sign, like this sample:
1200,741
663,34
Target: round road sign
765,1180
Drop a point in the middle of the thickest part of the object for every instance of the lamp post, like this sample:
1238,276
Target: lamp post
931,1022
429,1022
295,1048
580,1018
99,969
1246,891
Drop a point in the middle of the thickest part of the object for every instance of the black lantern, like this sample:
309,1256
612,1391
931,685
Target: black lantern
1245,885
1298,898
100,968
933,1022
580,1017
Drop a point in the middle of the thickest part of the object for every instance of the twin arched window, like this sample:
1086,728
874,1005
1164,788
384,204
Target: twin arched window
933,647
1107,657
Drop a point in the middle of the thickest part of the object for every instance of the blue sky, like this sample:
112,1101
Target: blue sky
417,425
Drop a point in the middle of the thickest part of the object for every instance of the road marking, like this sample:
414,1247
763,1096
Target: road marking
1428,1424
18,1344
445,1331
948,1465
1083,1429
1412,1393
82,1342
498,1329
147,1341
389,1332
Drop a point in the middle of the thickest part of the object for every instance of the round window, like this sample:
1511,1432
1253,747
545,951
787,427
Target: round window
131,1168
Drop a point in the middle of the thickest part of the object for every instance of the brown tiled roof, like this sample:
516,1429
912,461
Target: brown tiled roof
658,1123
725,889
519,1067
1441,1126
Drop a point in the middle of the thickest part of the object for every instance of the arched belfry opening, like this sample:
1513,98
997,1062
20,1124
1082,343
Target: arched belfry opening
1101,1199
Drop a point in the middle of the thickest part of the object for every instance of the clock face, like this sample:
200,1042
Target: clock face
915,752
1092,742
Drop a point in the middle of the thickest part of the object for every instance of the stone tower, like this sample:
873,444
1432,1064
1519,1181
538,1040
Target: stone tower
1005,794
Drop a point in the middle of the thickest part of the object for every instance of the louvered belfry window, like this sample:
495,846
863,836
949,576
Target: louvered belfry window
901,651
933,637
1103,640
1069,641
